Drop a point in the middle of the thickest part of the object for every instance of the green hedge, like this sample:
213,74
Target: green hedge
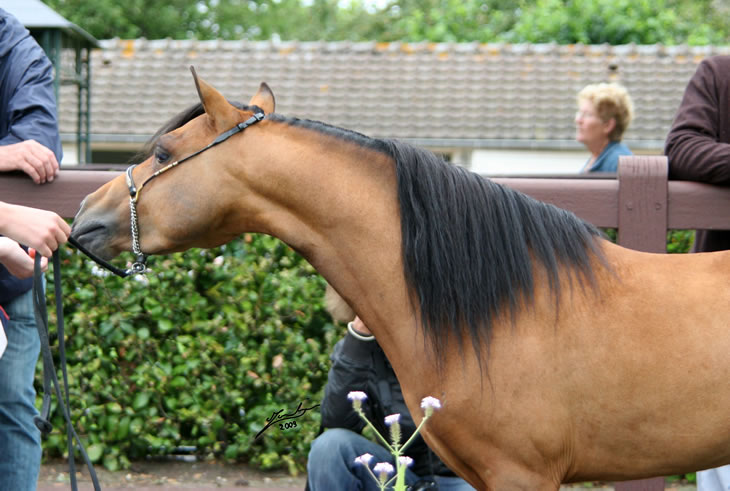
199,353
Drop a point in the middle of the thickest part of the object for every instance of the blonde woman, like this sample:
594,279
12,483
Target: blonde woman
604,113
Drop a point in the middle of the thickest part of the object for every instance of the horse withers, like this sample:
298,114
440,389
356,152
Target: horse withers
557,355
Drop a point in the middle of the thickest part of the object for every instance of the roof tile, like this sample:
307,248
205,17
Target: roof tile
444,91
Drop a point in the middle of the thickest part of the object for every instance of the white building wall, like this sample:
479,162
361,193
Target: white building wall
70,156
500,162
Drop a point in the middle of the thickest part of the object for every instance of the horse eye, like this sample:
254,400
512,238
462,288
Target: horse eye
161,156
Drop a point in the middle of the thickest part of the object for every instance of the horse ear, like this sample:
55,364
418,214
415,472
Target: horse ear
216,106
264,99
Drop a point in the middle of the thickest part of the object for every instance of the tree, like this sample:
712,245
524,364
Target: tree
445,20
537,21
619,22
130,19
223,19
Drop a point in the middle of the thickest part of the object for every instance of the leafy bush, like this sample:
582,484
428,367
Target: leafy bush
199,353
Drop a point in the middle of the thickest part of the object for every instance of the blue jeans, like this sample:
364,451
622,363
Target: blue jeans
332,464
20,440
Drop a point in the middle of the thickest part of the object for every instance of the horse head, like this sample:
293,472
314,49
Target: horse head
191,208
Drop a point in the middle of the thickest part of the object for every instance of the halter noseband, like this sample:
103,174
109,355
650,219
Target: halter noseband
140,263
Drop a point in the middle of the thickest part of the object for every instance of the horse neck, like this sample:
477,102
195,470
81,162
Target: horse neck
335,202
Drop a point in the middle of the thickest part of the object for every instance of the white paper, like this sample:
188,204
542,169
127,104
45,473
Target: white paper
3,340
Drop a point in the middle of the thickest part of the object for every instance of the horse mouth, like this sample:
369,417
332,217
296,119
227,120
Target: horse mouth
94,236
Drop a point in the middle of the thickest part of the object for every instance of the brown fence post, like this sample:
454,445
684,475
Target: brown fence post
642,225
642,210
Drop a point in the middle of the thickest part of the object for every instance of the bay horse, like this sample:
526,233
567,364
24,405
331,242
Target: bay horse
557,355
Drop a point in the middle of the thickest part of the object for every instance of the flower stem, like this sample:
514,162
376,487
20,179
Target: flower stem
377,433
415,433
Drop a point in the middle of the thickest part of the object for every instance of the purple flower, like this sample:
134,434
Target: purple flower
428,404
394,422
357,396
364,459
383,470
405,461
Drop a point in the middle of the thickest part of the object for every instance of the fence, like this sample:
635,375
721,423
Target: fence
641,203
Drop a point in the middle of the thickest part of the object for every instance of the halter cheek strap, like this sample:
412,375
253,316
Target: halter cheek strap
140,263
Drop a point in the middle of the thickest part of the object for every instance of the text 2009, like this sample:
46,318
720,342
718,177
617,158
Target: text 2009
288,425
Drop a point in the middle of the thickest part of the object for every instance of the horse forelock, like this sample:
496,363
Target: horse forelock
179,120
470,246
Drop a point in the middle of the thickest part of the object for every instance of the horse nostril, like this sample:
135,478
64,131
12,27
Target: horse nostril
87,231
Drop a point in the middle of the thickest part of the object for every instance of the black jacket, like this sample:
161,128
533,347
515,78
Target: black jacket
27,109
362,365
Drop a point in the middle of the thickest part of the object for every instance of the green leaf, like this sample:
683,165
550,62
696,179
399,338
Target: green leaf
111,462
95,451
141,400
164,325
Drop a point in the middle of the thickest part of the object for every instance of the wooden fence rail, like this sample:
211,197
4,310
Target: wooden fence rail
641,203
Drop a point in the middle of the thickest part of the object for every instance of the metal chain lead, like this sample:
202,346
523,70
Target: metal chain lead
139,265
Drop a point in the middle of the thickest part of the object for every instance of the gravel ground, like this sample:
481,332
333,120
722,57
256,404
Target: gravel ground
209,476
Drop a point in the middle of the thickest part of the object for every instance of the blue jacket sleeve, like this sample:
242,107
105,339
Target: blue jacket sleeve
28,98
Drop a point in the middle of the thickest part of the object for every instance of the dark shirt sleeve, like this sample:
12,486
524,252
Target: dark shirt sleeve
698,143
351,370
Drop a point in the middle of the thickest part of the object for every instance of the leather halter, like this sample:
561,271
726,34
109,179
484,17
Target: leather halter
140,264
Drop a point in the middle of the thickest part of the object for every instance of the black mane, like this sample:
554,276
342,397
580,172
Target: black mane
470,246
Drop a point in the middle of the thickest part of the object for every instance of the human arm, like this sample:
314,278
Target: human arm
18,262
698,144
40,229
351,370
30,140
30,157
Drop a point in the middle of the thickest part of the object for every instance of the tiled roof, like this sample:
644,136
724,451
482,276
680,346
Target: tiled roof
449,94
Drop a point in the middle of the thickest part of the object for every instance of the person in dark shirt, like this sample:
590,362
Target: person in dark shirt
359,364
30,143
698,144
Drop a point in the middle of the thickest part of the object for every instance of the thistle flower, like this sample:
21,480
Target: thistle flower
405,461
383,470
357,396
394,422
428,404
364,459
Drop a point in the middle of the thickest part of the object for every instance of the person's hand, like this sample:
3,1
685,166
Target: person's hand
360,327
18,262
40,229
30,157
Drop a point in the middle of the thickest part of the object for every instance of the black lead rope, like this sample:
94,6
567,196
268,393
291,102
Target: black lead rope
39,299
122,273
49,370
